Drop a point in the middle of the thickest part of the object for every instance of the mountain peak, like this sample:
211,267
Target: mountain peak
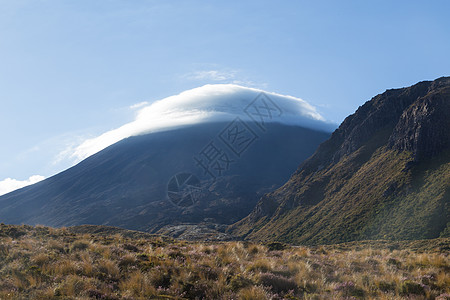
382,174
423,128
212,103
385,110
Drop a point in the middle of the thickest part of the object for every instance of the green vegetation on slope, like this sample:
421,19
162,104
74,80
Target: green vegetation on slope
382,199
384,174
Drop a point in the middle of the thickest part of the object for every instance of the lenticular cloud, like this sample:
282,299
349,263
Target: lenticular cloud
209,103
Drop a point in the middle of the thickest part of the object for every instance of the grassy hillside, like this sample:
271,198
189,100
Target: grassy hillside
380,200
384,174
93,262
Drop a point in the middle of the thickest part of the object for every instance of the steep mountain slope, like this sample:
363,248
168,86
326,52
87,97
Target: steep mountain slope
384,173
149,181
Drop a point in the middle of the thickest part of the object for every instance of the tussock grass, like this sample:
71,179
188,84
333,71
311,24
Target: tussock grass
47,263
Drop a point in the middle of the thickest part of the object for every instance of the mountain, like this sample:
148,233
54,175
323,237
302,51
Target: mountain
383,174
204,156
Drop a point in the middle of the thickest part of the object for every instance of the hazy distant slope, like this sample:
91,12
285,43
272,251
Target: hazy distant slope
127,183
204,155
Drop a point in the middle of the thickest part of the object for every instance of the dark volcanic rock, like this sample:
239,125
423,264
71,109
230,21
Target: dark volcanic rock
424,128
197,232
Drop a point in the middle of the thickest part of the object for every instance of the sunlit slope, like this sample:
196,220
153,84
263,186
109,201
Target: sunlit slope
384,173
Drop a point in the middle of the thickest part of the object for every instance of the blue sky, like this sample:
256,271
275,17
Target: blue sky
70,70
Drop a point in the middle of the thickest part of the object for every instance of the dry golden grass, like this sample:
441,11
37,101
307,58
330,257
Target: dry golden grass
47,263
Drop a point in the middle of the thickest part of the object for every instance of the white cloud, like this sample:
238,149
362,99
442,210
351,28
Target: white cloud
9,185
222,76
218,102
138,105
213,75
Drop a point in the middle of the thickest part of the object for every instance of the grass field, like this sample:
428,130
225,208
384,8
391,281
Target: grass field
106,263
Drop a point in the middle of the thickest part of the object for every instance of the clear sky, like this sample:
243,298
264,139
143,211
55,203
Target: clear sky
70,70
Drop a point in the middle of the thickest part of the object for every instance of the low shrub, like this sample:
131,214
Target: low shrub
79,246
276,246
238,282
278,284
411,288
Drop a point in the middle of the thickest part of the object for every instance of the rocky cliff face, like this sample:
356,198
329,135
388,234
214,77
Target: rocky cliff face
374,166
424,128
383,111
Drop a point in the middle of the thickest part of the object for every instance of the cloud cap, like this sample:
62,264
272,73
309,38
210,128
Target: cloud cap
210,103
